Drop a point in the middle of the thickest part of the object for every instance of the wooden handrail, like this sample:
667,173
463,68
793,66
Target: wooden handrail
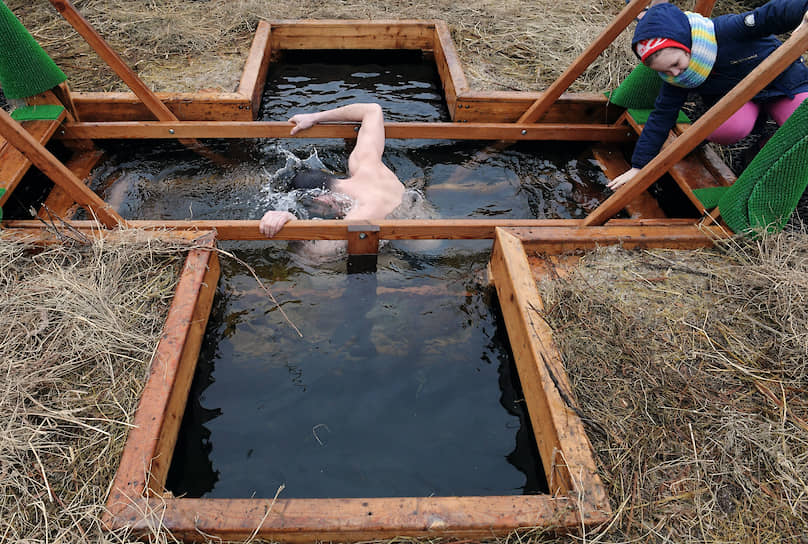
537,110
40,157
742,93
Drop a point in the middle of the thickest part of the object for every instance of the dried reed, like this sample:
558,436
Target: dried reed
692,367
80,325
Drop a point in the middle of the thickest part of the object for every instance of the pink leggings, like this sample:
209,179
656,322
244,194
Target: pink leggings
742,121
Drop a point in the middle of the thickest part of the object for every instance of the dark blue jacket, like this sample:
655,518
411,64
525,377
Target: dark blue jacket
744,41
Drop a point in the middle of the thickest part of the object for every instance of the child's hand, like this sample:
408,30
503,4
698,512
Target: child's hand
623,178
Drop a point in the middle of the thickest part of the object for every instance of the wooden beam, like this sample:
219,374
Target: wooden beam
566,453
13,164
166,391
352,520
690,172
60,203
569,239
49,97
56,171
333,229
357,34
452,78
280,129
184,338
509,106
254,75
744,91
94,107
623,19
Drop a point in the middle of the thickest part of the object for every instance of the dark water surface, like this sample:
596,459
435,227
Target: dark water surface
403,384
460,179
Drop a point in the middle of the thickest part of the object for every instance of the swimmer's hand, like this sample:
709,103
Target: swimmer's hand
273,221
302,121
623,178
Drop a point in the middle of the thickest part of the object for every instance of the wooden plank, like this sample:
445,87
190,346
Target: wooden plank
452,78
566,453
355,34
95,107
58,202
611,160
508,107
592,52
497,107
363,239
334,229
13,164
568,239
351,520
188,335
160,400
719,170
280,129
757,79
254,75
56,171
47,235
690,172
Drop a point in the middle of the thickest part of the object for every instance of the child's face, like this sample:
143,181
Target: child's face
670,61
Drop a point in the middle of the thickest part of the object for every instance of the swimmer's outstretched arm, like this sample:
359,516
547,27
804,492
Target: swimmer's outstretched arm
273,221
370,140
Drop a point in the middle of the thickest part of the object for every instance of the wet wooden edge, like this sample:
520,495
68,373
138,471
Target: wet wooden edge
452,78
149,445
13,164
582,132
399,229
411,34
650,235
566,453
254,75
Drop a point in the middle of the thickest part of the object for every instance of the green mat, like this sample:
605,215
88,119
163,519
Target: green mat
767,192
2,192
639,90
641,115
41,112
25,68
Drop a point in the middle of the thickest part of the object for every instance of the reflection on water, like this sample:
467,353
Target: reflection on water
402,385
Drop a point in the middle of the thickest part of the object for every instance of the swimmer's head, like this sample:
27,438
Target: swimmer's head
313,179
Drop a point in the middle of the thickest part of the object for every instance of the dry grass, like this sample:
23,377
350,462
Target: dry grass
691,368
80,324
515,44
690,364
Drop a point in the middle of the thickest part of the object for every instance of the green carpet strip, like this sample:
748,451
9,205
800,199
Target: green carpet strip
25,68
